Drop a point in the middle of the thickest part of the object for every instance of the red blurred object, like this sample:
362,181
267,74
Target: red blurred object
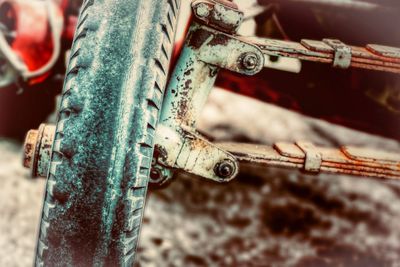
31,40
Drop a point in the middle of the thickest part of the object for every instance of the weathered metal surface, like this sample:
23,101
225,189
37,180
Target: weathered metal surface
319,51
190,83
346,160
228,52
190,152
385,51
313,157
177,143
219,14
342,54
363,154
37,150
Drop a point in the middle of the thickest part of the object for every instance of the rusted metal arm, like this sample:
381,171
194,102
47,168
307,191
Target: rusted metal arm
332,51
194,154
305,156
222,48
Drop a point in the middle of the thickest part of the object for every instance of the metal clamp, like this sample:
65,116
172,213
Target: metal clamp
342,55
186,150
227,52
313,157
218,14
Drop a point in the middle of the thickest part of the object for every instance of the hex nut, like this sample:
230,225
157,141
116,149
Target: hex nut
202,10
225,169
250,61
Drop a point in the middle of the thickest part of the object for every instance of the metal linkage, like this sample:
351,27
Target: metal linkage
227,52
188,151
222,15
305,156
192,153
331,51
208,48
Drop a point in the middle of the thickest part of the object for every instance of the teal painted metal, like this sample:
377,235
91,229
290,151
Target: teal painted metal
177,143
189,86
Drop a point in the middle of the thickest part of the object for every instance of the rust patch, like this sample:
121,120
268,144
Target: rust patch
332,159
198,38
219,39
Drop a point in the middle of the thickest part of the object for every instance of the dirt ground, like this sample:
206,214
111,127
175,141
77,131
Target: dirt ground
274,218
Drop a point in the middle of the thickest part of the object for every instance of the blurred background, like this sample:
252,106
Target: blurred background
273,217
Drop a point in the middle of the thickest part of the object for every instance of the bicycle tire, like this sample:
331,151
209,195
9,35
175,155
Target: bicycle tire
103,146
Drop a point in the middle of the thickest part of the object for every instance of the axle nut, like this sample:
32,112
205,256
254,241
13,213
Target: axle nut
29,148
225,169
250,61
37,150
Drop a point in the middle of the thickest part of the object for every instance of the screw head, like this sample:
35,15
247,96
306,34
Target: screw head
250,61
202,10
225,169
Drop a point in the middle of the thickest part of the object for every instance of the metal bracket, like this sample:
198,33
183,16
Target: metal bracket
206,50
342,56
313,157
188,151
218,14
214,43
226,51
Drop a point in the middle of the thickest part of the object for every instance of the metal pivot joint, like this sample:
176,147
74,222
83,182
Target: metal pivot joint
209,47
218,14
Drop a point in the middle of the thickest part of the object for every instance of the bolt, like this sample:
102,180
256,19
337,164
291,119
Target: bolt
159,175
202,10
155,175
225,169
250,61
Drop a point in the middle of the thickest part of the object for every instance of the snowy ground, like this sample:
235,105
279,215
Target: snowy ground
277,218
